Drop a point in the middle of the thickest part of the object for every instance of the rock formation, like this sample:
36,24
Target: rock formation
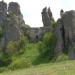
59,35
11,22
47,17
69,27
13,27
50,14
3,18
14,22
35,34
65,33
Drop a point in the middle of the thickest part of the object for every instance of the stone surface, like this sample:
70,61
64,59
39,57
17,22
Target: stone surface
14,8
3,17
60,41
69,27
45,17
50,14
12,22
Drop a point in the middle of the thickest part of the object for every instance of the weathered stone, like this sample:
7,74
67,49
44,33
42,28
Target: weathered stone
61,13
69,27
12,23
60,41
50,14
14,8
3,17
36,34
45,17
60,35
3,12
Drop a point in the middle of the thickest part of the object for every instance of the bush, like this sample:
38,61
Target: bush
22,44
46,47
11,47
54,24
23,41
5,60
19,62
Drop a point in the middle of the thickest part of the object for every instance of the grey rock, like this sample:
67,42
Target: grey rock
69,27
45,17
60,38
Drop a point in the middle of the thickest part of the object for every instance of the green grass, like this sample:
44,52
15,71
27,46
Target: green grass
61,68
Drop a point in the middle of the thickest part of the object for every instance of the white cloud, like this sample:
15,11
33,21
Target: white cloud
31,9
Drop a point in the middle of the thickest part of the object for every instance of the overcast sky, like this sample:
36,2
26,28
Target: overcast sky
31,9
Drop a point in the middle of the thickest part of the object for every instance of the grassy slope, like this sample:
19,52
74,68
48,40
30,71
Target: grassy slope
62,68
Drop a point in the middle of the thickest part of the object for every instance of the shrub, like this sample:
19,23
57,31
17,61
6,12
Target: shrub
19,62
46,47
22,44
23,41
11,47
5,60
54,24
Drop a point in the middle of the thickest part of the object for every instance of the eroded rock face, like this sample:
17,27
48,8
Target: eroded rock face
3,17
46,17
59,32
50,14
3,11
14,8
12,22
69,27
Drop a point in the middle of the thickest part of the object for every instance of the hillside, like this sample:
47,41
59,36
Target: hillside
62,68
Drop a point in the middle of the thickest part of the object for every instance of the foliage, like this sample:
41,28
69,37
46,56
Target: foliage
54,24
19,62
23,41
49,42
5,60
22,44
46,48
11,47
62,57
1,31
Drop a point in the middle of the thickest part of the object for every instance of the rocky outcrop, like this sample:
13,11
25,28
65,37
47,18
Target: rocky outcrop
60,38
69,27
14,22
3,18
65,33
50,14
13,27
35,34
60,35
47,17
14,8
11,22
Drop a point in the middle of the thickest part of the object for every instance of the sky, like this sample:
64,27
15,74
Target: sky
31,9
